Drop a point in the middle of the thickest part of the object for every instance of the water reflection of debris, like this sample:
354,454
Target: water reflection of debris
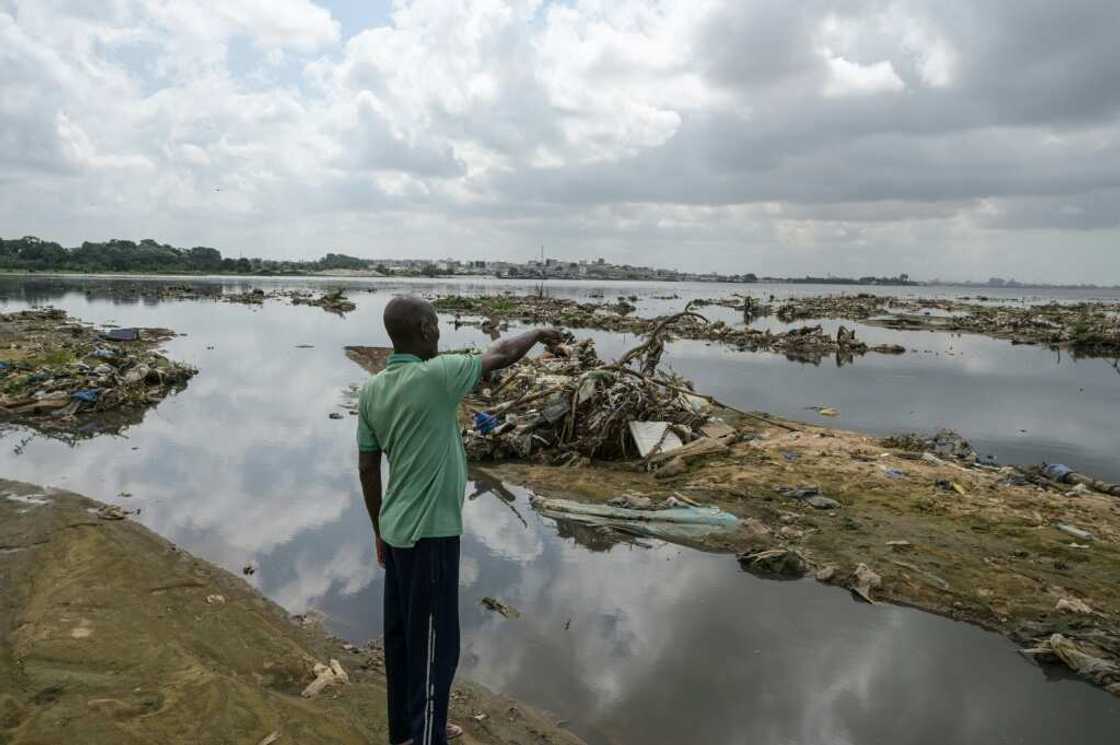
485,485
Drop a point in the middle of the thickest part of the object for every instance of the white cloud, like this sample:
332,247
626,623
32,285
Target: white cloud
850,78
667,132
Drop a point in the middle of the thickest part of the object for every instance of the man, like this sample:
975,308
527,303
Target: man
409,411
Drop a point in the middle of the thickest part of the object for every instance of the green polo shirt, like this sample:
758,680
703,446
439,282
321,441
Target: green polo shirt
409,411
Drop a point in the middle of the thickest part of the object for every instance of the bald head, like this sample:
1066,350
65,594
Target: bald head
413,326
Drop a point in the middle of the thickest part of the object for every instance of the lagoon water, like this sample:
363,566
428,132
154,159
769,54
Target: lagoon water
628,643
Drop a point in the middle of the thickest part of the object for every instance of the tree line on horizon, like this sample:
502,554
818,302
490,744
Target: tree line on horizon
31,253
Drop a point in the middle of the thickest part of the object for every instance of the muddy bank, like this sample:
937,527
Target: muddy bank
62,377
110,634
969,541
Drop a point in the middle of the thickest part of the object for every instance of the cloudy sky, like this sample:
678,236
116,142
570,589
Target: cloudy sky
948,138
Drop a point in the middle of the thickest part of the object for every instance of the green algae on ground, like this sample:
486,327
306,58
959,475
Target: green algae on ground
110,635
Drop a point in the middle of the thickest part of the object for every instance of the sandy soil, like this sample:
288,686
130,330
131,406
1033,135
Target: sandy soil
110,634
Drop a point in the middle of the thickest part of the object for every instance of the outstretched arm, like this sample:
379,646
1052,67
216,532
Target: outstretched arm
369,473
505,352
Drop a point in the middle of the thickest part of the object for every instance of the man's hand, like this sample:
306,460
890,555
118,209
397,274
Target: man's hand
380,548
506,352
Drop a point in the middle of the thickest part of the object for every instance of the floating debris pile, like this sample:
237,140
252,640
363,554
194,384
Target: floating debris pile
58,375
332,302
852,307
255,296
805,344
542,309
1089,329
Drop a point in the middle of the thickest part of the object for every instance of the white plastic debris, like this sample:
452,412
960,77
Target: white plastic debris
654,437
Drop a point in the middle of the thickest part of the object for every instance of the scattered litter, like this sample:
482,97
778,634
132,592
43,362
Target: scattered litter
678,524
125,334
31,499
864,581
112,512
632,502
894,473
1081,659
325,676
791,456
947,485
332,302
334,415
776,561
88,395
499,607
811,495
1076,532
1080,490
269,739
945,445
654,437
825,410
485,423
1057,472
215,600
1073,605
900,545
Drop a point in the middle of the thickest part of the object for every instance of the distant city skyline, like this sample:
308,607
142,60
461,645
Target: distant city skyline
951,139
148,256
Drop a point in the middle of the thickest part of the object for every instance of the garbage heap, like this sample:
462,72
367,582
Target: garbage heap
59,375
567,406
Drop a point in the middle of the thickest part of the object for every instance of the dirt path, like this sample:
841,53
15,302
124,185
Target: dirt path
110,634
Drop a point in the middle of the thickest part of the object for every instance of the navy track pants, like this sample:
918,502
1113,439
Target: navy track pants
421,638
